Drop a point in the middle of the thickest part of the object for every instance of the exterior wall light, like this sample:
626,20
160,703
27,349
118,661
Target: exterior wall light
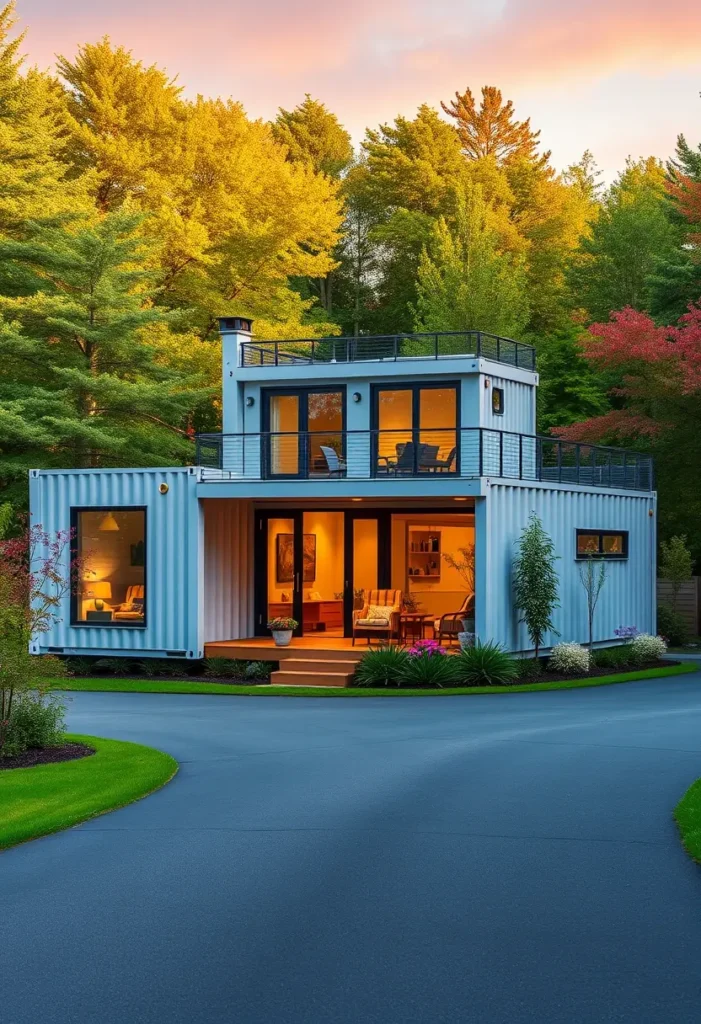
250,401
357,397
163,488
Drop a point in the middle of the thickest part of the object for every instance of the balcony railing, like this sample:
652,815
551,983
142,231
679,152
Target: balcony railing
389,348
421,454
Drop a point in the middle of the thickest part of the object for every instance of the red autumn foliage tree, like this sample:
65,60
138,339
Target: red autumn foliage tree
687,193
656,364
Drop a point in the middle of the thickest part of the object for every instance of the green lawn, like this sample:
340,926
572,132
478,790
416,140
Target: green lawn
37,801
126,685
688,817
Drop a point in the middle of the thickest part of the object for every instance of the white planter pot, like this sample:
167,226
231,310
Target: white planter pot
282,637
466,640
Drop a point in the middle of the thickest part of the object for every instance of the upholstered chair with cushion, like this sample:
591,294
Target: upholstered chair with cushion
132,609
448,626
379,615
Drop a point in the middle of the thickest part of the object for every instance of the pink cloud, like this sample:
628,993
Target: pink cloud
375,58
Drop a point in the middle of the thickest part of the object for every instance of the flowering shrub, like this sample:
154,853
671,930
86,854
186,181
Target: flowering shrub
36,571
647,648
626,632
426,649
569,659
283,622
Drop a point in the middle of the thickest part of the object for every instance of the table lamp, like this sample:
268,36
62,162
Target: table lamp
100,591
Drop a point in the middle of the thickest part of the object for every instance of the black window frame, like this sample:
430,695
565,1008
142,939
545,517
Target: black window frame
500,410
75,512
416,387
611,556
302,392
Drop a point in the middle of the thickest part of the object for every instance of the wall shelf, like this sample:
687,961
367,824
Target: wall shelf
423,554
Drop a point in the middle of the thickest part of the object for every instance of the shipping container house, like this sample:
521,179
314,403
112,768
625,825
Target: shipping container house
407,465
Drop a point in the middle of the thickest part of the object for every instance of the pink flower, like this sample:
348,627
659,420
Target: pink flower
426,649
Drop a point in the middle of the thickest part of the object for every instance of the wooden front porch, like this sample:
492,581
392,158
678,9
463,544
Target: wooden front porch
308,661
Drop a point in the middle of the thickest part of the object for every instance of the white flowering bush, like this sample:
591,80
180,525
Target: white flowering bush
645,647
569,659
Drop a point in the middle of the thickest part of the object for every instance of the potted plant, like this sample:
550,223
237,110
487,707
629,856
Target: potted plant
282,628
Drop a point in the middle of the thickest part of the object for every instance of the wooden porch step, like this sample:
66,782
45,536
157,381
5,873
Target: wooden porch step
342,666
285,677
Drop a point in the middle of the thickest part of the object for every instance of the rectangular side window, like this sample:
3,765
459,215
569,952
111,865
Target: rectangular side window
602,544
498,401
110,548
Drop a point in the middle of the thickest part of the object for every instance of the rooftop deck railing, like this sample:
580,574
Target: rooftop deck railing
389,348
428,455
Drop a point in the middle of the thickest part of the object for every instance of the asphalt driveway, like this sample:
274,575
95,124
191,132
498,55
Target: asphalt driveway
486,859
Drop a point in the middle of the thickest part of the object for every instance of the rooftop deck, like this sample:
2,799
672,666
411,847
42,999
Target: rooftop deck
390,348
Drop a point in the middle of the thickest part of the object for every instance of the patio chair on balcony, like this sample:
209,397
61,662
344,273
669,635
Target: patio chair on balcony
436,465
412,458
336,465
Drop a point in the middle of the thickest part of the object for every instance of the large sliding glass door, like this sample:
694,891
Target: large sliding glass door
417,429
303,432
316,566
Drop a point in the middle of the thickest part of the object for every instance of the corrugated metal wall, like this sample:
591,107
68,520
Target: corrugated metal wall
628,596
228,568
173,554
519,405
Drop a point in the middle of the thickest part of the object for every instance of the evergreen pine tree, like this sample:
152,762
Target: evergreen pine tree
85,381
465,282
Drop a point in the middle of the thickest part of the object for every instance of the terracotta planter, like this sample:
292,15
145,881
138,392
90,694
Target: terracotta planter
282,637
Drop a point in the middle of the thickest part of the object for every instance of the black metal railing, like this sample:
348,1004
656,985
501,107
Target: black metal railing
427,454
390,347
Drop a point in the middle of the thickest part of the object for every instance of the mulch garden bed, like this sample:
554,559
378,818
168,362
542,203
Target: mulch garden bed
47,755
559,677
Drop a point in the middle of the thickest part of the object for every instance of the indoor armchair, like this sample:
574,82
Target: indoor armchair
379,615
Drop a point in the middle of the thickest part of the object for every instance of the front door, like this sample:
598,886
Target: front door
316,566
303,431
278,559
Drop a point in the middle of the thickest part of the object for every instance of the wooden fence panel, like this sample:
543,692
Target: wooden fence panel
688,600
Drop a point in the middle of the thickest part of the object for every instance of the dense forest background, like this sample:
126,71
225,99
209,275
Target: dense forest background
131,217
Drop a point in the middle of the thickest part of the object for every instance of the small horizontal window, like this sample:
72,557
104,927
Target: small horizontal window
602,543
498,401
110,547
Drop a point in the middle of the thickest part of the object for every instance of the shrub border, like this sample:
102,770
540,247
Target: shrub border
133,770
126,685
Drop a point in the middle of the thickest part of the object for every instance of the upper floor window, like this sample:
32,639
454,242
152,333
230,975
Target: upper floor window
602,543
498,401
111,549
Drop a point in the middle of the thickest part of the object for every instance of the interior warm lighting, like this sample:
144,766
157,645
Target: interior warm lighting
108,522
459,499
100,591
356,499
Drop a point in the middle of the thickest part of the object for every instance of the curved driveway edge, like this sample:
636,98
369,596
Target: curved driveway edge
374,861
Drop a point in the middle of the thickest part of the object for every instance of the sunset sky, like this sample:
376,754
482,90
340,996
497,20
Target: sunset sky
617,76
